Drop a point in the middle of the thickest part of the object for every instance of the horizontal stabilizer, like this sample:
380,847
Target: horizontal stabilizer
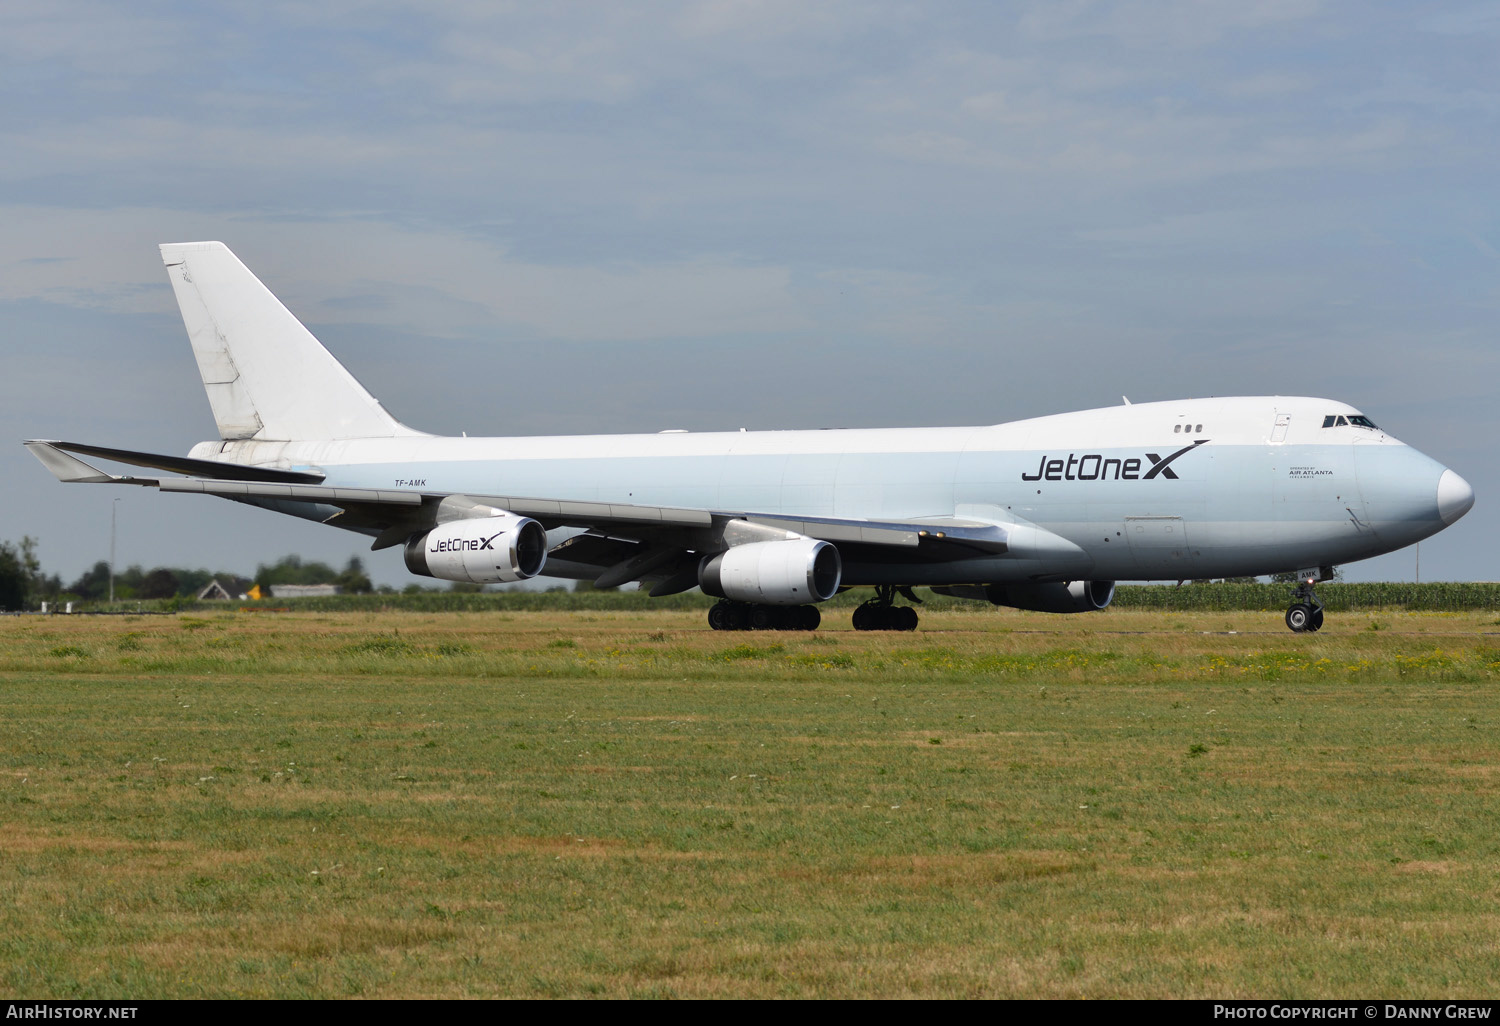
67,468
186,465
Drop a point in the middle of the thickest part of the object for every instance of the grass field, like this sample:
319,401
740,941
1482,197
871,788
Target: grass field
1128,804
1220,596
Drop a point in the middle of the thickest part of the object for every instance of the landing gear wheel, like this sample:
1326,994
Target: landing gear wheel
727,616
718,617
1300,616
1306,612
801,618
879,614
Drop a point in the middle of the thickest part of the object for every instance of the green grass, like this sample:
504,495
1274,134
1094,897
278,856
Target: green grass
1438,596
626,804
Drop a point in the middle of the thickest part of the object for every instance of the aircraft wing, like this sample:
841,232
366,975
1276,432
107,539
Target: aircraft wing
624,541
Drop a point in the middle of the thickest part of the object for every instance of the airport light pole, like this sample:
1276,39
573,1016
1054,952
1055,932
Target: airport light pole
113,506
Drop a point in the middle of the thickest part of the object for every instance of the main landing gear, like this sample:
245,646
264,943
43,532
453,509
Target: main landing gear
727,615
882,614
1306,612
879,614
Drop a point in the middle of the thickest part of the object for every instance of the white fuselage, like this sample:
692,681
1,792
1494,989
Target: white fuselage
1168,490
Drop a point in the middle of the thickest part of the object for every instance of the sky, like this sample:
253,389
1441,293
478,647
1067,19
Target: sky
711,214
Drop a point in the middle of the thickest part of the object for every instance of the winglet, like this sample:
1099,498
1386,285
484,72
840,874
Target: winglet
67,468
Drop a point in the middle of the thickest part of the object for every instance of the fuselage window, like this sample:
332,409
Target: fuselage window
1200,429
1176,429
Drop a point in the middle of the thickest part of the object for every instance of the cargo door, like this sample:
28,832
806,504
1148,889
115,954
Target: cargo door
1159,545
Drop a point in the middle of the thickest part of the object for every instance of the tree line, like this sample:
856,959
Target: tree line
23,584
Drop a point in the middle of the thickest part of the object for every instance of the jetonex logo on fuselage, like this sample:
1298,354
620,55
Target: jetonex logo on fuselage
1092,466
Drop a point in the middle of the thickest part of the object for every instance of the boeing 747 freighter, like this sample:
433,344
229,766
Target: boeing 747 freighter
1041,514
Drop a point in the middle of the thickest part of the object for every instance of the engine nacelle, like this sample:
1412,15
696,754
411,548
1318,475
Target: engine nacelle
1069,597
776,573
496,549
1073,597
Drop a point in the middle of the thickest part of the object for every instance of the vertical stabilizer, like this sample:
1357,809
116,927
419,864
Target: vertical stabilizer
266,376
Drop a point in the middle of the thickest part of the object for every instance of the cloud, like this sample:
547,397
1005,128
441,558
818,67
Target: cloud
1269,84
1462,19
97,40
1159,24
434,282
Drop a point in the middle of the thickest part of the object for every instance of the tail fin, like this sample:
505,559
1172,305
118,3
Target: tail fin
267,377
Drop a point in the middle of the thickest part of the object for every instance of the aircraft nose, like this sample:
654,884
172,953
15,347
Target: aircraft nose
1454,497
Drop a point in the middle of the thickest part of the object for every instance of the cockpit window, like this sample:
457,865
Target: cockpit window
1356,420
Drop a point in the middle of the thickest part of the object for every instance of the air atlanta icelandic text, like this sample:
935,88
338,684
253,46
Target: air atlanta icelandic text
1095,467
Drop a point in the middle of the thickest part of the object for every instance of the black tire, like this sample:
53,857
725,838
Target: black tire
764,618
719,618
810,618
905,618
862,618
727,616
1299,616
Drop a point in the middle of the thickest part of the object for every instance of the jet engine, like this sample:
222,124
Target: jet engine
776,573
496,549
1061,597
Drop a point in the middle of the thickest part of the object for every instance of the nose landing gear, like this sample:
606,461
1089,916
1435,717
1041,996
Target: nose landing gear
1305,613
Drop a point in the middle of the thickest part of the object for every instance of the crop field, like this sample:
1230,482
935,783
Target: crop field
623,803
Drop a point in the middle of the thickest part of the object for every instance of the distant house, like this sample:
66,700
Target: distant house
304,590
214,591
